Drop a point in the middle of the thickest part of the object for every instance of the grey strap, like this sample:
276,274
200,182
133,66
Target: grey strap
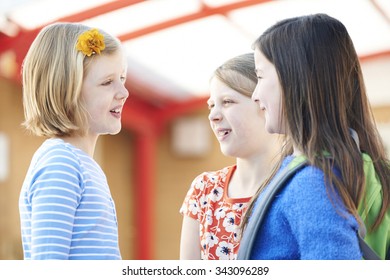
368,253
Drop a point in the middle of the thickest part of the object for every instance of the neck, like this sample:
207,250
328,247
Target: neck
254,168
85,143
249,175
296,151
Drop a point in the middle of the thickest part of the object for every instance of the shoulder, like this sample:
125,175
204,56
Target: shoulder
206,182
304,186
205,186
55,157
309,194
306,176
216,175
308,191
55,169
309,176
54,150
212,178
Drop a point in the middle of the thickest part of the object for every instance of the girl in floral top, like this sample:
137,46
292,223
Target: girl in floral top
216,201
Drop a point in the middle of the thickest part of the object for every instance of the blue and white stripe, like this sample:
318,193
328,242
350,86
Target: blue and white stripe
66,208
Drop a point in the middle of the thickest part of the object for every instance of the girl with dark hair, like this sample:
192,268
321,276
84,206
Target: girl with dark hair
311,89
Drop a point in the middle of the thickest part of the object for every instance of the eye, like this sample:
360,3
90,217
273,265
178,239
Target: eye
123,79
107,82
227,101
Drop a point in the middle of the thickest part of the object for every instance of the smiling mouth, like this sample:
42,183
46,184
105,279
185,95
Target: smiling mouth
223,132
116,113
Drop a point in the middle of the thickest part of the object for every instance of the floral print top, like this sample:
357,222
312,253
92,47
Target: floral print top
219,216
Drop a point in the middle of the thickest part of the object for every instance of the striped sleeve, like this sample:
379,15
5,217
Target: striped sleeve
54,196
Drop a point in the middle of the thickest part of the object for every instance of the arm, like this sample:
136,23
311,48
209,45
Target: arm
54,196
189,241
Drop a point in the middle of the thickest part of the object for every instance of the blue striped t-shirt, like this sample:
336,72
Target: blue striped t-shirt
66,208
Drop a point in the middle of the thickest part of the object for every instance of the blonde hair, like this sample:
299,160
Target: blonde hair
53,72
243,65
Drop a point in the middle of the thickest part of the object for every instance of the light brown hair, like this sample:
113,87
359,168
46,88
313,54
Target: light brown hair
244,66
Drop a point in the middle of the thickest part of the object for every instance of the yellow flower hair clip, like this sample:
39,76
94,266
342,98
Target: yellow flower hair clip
90,42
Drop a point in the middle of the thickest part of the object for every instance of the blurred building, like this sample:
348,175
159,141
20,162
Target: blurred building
173,46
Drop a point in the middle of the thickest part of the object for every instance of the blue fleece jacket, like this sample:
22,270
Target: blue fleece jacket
304,223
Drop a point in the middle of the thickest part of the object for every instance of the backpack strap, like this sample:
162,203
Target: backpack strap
367,252
259,212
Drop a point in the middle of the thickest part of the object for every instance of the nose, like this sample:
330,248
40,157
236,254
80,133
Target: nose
255,96
215,115
122,93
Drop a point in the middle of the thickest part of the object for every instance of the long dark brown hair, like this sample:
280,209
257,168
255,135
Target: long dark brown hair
323,98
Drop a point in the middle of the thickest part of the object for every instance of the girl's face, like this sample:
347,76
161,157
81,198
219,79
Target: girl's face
236,121
268,93
104,94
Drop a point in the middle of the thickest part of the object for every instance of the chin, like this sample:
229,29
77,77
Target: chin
228,152
113,131
272,130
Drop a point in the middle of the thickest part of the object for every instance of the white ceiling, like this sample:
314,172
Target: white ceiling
177,62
